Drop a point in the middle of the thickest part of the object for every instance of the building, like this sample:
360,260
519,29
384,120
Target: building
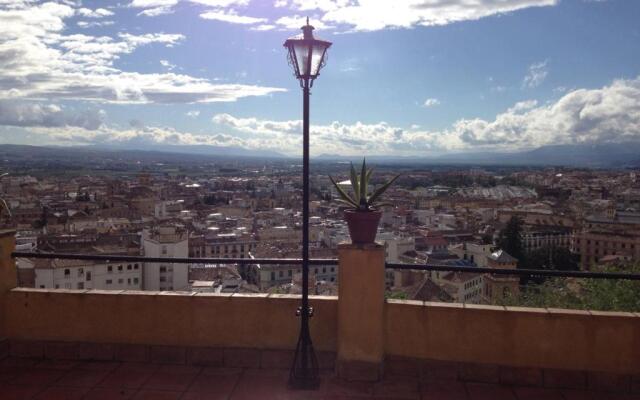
165,241
81,274
500,287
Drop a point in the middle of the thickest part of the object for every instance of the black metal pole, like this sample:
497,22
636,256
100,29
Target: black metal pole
304,373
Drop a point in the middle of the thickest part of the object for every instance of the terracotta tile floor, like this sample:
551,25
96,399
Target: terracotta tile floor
67,380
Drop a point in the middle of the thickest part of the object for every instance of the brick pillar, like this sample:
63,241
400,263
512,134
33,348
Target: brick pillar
361,286
8,272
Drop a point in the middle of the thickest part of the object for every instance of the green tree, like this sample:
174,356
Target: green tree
510,240
583,294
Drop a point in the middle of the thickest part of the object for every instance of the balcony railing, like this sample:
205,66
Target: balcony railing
543,273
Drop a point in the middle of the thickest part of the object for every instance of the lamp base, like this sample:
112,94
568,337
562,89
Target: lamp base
304,374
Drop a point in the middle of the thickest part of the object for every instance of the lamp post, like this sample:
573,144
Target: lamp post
306,55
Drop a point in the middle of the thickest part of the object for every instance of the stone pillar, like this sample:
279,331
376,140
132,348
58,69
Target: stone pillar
8,272
361,286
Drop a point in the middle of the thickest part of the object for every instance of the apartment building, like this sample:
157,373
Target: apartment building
165,241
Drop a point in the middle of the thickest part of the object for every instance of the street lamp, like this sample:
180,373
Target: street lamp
306,55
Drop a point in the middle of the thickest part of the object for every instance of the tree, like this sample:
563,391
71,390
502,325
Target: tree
552,257
510,240
583,294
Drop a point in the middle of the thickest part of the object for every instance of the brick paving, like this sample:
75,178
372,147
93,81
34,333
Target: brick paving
70,380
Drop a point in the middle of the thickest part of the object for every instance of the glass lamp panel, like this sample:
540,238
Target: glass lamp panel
301,50
317,54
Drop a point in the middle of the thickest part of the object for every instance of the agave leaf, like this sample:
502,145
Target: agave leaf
381,190
348,203
342,193
363,181
369,174
355,185
3,205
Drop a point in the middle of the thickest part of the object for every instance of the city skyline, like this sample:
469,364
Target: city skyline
415,78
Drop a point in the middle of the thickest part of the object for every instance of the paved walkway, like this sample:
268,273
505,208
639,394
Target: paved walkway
68,380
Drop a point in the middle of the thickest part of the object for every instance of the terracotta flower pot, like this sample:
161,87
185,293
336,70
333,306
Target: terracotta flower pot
363,225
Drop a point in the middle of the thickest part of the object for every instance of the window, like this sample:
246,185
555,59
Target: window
333,269
41,286
163,279
281,274
109,268
80,285
67,272
108,282
129,267
128,281
273,275
290,273
324,270
163,249
163,269
119,268
135,266
120,281
88,275
80,272
135,281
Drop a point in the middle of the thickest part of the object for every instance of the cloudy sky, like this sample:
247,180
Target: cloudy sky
404,77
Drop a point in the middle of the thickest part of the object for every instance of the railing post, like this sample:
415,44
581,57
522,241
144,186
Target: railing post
361,287
8,273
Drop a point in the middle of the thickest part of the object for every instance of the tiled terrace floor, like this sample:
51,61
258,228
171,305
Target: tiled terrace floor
30,379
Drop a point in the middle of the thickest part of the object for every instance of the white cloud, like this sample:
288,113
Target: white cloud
24,114
371,15
167,64
608,114
231,17
154,8
536,74
97,13
93,24
352,15
39,61
431,102
193,113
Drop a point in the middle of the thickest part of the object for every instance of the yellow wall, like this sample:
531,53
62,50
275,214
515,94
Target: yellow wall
527,337
166,318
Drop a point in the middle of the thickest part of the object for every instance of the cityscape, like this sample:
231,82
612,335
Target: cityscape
160,206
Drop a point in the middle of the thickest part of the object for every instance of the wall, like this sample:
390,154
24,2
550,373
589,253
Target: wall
521,337
166,318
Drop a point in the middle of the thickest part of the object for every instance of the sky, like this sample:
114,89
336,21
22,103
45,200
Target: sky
403,77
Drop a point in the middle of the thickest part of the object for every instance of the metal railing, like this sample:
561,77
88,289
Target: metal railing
331,261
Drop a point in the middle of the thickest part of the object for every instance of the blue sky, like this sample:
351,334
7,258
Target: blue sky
408,77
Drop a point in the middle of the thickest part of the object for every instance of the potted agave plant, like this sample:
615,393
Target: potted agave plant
362,216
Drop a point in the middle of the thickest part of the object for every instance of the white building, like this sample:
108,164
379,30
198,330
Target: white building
166,241
81,274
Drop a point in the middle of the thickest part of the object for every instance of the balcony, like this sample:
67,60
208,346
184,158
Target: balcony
139,344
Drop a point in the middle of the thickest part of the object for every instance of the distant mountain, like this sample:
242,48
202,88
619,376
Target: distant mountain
203,150
579,155
602,155
81,152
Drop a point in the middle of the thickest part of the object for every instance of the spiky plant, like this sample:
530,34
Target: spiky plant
362,200
3,204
